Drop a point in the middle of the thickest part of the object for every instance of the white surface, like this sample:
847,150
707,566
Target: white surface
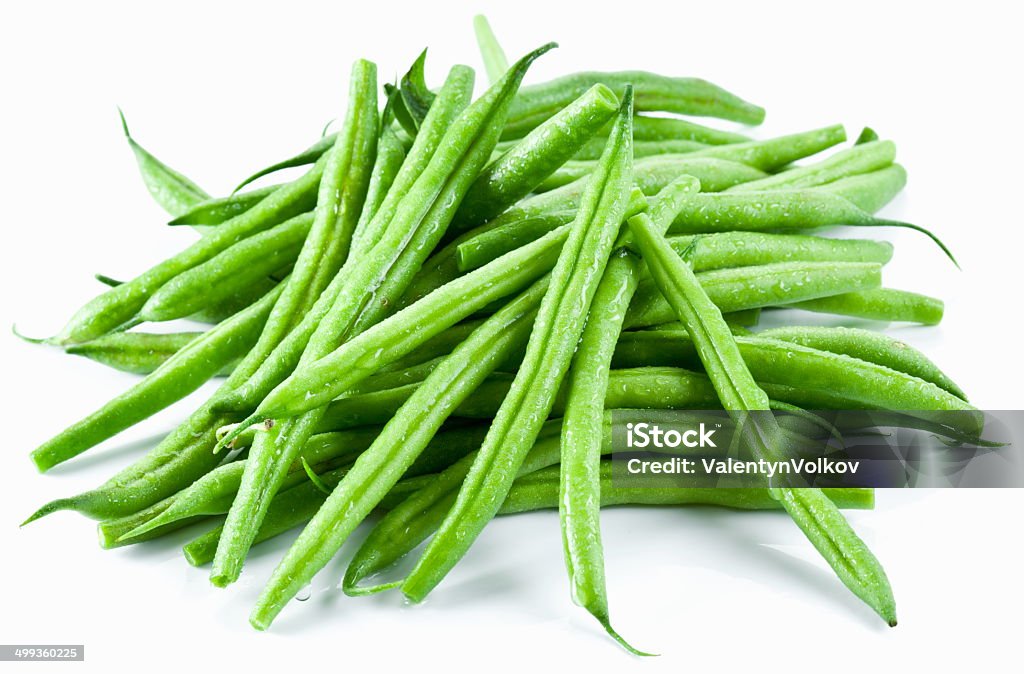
218,90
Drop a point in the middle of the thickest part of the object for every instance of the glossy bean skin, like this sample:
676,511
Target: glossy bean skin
134,352
767,285
414,520
183,373
119,305
646,128
229,272
856,383
286,354
212,494
871,346
733,380
587,386
400,443
880,304
643,148
523,167
859,159
687,96
764,155
535,216
174,192
216,210
559,325
741,249
870,191
719,174
421,219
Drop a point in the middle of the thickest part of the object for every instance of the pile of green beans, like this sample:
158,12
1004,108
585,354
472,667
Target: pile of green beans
437,317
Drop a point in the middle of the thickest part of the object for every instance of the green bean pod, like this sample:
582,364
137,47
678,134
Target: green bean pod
686,96
646,128
229,272
642,148
414,520
310,155
741,249
403,438
174,192
454,97
727,368
719,174
780,209
183,373
587,386
765,155
766,285
420,221
855,160
135,352
871,346
880,304
216,210
524,166
119,305
495,61
870,191
559,325
535,216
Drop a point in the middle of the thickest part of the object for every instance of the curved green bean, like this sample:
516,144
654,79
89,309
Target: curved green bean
870,191
215,210
855,160
880,304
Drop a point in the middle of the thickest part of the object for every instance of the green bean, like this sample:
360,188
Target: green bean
870,191
728,371
880,304
119,305
212,494
870,346
229,272
535,216
780,209
686,96
759,286
856,160
670,128
390,158
587,383
740,249
859,382
765,155
557,330
170,189
720,174
135,352
523,167
643,148
282,361
310,155
216,210
867,135
413,521
404,437
225,309
419,223
183,373
495,61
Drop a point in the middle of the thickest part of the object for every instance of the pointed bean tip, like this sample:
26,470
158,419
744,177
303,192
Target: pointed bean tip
607,625
30,340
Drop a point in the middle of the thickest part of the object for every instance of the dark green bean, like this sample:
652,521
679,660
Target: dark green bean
310,155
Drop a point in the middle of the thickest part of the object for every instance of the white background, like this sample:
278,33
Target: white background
219,89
